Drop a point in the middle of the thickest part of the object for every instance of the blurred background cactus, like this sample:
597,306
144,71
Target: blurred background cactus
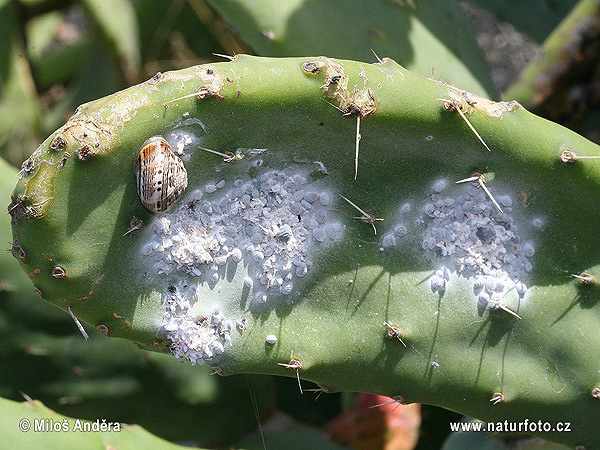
58,54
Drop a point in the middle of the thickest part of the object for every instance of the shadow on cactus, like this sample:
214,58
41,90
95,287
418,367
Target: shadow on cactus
255,249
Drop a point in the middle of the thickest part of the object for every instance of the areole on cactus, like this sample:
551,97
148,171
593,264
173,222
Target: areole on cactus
324,232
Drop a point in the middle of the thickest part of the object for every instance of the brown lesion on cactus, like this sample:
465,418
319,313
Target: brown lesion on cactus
468,102
312,67
34,273
465,103
103,328
37,188
87,135
87,152
58,143
352,102
212,85
21,207
127,322
30,164
18,252
78,299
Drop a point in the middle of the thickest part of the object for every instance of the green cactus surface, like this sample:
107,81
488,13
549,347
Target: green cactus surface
275,260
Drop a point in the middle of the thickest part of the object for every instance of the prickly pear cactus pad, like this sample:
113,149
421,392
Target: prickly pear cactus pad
302,217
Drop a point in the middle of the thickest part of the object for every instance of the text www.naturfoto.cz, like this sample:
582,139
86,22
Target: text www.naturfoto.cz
526,426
